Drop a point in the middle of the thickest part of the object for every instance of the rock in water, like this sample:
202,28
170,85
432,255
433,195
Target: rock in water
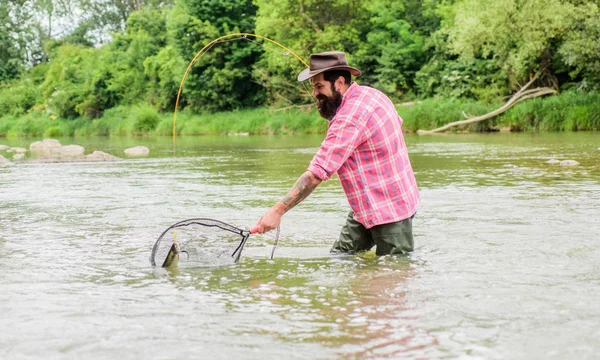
50,151
569,163
46,148
101,156
553,161
51,143
72,150
6,147
137,151
4,160
36,146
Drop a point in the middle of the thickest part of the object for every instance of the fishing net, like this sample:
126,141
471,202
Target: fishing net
201,242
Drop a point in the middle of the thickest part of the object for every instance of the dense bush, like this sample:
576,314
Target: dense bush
458,51
143,119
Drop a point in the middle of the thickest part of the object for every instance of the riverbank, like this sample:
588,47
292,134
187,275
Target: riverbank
568,111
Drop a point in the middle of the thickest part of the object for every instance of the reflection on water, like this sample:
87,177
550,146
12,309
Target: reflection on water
353,304
506,264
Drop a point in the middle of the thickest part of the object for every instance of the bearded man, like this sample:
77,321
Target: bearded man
365,146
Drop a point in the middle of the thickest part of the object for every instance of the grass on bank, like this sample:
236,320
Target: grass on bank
568,111
144,120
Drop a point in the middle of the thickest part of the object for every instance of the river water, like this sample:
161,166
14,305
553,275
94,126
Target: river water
506,265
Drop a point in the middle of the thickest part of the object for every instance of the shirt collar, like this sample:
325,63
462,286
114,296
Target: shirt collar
346,96
349,92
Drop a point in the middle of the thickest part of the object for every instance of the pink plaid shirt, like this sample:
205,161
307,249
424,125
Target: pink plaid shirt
365,146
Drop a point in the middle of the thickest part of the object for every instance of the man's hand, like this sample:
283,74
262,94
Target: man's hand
305,184
270,220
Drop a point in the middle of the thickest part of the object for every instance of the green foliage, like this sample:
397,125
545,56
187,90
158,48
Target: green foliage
113,122
582,45
143,119
517,33
144,36
164,72
568,111
69,81
393,51
111,15
460,49
6,123
18,98
431,114
255,121
33,124
481,79
14,35
305,27
222,78
296,122
309,26
53,132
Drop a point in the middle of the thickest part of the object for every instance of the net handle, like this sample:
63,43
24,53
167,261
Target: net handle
255,229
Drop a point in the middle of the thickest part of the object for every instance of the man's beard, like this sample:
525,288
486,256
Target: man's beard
328,105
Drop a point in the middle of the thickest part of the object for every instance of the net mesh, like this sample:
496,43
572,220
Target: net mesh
200,242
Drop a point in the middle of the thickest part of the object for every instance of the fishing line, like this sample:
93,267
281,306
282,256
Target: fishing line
203,240
209,46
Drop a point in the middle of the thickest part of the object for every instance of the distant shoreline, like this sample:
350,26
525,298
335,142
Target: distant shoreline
568,111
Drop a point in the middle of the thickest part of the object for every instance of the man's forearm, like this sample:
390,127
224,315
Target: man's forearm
303,187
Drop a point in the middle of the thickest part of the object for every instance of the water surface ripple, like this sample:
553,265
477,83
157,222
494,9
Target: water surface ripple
506,266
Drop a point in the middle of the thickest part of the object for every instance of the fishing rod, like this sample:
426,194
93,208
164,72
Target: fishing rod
208,47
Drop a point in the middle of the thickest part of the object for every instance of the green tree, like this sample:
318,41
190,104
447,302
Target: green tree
221,79
144,36
384,38
70,80
581,47
304,26
393,51
446,75
15,35
109,16
164,72
520,34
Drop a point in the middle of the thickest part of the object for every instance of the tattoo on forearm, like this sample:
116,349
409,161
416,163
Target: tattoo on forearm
302,188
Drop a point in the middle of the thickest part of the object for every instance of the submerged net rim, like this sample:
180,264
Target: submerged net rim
209,222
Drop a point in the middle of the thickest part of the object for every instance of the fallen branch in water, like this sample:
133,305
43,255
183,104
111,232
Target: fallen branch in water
522,94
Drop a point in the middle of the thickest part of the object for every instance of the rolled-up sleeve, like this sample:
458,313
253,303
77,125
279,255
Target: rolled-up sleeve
343,137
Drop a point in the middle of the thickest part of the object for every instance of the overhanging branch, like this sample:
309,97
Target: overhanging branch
522,94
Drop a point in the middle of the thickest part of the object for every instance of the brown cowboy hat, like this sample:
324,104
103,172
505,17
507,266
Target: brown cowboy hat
325,61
